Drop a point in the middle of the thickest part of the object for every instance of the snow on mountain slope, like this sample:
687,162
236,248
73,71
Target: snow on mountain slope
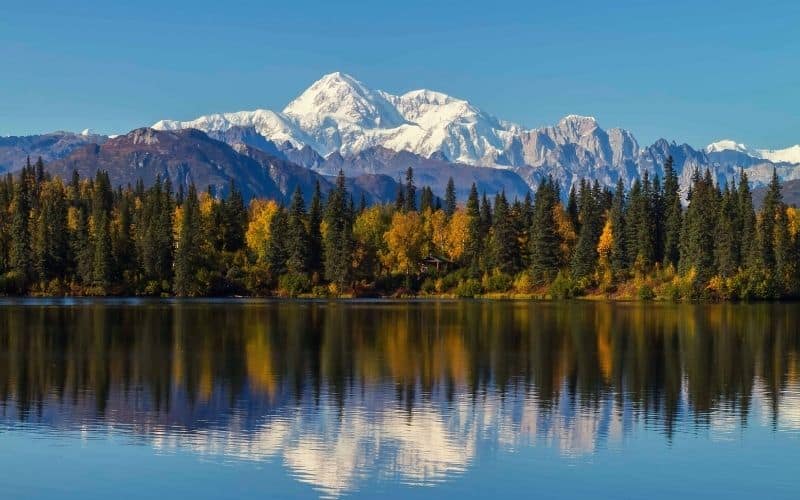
273,126
787,155
339,115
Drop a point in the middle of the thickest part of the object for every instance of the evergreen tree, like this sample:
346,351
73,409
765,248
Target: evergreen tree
545,240
234,220
338,238
749,253
20,252
314,231
474,245
725,235
697,239
187,254
572,207
277,252
450,198
673,214
590,217
619,254
411,191
297,241
773,204
505,253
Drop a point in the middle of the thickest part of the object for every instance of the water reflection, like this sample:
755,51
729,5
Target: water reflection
343,393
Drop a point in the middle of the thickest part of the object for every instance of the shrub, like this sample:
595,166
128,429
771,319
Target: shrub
564,287
428,286
524,282
293,284
468,288
497,282
646,292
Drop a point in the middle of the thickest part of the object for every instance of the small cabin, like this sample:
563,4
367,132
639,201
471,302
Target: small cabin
435,263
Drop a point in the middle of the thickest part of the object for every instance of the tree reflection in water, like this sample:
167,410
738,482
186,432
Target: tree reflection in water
344,391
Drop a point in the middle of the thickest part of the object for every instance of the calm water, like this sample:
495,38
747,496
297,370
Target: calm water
228,399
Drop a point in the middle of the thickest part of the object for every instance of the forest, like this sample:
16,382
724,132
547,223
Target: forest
640,242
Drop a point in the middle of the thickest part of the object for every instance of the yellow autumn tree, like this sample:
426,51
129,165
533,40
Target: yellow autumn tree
457,236
368,231
405,240
604,246
257,235
436,231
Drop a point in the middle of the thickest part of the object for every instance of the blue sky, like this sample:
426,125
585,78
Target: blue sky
689,71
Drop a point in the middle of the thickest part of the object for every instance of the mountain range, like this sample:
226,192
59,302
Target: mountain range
374,136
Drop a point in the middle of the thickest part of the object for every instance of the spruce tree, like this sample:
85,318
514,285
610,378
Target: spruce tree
474,245
338,238
619,255
187,254
773,203
411,191
545,241
673,214
505,253
450,198
749,253
297,241
314,231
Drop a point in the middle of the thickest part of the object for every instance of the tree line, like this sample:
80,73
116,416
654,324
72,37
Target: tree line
86,237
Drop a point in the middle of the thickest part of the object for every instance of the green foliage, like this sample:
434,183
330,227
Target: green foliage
87,237
294,284
564,287
645,292
468,288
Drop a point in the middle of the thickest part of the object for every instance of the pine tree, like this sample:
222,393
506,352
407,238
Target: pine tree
187,255
749,253
590,216
338,238
773,203
314,231
544,234
450,198
297,241
411,191
572,206
505,253
725,235
234,218
20,252
474,245
619,254
673,214
697,239
277,252
100,234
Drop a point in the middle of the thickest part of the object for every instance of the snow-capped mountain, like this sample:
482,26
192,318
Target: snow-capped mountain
787,155
339,113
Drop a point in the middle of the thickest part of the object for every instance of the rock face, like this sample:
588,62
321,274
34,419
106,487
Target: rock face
14,151
190,156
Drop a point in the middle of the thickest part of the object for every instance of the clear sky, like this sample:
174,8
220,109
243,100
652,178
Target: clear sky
689,71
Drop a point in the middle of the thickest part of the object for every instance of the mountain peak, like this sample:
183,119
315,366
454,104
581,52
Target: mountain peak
726,145
340,98
578,119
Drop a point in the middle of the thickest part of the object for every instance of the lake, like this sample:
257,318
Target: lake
432,399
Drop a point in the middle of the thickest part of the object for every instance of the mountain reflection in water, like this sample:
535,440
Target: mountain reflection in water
347,392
